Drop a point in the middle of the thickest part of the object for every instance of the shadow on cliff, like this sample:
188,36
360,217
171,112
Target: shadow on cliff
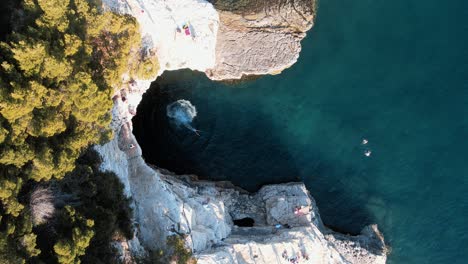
237,142
8,16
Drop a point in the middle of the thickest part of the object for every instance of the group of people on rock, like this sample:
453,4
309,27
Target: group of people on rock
295,259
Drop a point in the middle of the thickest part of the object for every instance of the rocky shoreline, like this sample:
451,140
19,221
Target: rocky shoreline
278,224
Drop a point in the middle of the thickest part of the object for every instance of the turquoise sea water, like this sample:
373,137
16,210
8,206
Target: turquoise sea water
394,72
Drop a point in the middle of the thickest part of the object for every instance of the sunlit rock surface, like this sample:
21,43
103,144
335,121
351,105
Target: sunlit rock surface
259,37
228,39
159,20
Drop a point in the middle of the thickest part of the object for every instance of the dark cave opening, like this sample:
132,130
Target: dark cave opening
244,222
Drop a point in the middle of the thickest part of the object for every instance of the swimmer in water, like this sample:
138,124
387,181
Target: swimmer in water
365,141
367,153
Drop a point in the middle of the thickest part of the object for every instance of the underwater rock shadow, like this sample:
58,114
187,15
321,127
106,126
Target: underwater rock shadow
246,153
340,209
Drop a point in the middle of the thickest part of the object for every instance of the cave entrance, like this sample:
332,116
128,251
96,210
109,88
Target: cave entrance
244,222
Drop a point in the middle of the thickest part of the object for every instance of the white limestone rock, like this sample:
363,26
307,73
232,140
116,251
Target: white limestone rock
159,20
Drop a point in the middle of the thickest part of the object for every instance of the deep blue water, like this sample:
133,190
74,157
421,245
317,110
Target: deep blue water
394,72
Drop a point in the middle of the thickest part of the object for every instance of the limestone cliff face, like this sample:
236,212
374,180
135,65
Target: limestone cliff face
259,37
233,40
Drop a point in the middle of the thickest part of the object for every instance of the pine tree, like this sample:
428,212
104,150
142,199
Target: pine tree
58,71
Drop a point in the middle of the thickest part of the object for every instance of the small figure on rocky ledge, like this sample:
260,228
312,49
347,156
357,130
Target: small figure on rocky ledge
298,210
284,254
294,260
206,201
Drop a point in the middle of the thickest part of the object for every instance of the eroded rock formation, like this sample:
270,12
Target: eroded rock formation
259,37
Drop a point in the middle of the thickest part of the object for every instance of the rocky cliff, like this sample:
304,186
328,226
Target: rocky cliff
229,40
219,222
259,37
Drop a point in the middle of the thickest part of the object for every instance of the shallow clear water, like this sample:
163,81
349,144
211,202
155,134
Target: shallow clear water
394,72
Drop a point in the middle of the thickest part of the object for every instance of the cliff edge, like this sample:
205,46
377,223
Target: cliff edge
219,222
259,37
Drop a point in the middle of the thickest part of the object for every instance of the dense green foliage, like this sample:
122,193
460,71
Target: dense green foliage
91,211
100,212
176,252
58,71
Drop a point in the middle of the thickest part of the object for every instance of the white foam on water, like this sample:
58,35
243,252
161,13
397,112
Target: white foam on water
182,112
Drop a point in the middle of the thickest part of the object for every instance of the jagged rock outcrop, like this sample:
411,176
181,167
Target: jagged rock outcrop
259,37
